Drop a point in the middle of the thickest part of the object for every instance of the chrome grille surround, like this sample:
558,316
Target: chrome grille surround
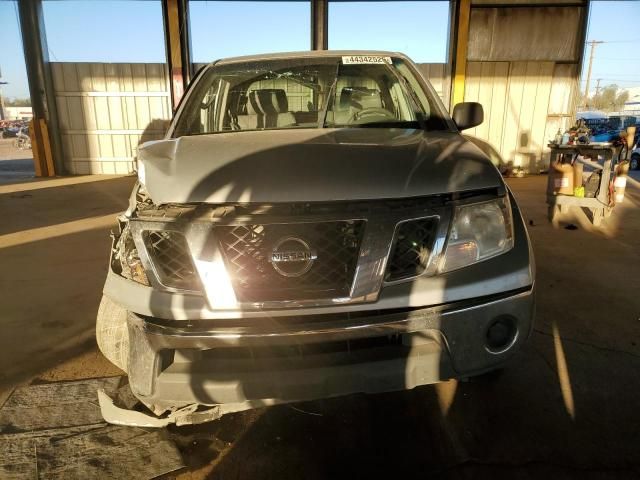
200,227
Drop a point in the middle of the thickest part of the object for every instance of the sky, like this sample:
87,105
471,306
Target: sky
616,23
260,27
85,30
96,30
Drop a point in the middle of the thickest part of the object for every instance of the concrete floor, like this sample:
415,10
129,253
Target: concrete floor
566,407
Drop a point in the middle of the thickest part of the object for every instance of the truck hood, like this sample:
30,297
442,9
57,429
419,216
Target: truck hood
309,165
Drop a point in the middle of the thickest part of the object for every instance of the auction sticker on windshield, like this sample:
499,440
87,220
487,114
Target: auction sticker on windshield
365,59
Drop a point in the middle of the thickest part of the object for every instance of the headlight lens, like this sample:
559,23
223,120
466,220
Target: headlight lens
479,231
128,259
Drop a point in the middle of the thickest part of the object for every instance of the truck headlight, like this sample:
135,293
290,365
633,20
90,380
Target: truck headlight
127,257
479,231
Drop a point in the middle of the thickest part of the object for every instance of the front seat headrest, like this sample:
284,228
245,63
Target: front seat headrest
270,100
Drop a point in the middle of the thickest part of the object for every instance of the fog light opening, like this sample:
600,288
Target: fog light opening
501,334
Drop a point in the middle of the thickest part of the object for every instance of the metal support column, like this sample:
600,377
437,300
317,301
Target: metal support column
460,46
319,24
581,44
176,34
43,102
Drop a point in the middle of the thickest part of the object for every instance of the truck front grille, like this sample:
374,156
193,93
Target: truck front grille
411,250
298,261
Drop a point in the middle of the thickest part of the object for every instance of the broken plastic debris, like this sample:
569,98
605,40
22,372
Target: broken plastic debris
188,415
122,416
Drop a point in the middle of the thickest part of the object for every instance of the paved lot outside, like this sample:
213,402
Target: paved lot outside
566,407
15,164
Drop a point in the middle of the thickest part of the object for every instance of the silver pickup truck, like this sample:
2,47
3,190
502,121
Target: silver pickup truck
312,225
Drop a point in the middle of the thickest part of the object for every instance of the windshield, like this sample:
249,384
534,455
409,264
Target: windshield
350,91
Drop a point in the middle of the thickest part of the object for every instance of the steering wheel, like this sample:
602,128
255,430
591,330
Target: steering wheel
370,112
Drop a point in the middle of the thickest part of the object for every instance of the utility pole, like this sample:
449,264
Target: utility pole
2,99
598,86
593,44
2,114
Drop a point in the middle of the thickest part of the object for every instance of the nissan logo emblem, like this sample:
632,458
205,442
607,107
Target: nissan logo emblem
292,257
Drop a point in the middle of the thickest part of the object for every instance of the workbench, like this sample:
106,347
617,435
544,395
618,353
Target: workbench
601,205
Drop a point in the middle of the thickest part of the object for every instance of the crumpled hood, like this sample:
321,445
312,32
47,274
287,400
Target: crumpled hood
309,165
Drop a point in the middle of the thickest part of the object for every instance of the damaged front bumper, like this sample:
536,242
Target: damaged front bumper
178,369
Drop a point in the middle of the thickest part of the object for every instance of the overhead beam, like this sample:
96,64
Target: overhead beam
461,17
319,24
177,41
43,102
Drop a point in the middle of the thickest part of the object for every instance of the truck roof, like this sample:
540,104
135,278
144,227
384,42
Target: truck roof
307,54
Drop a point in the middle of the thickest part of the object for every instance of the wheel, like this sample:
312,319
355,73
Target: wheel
634,163
112,334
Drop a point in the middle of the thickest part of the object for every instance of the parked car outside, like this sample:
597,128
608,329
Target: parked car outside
312,225
634,162
10,132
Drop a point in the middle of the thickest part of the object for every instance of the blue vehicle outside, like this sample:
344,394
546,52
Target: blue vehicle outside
607,129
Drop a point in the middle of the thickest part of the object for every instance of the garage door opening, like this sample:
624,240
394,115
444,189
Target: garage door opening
610,87
395,26
110,80
16,157
221,29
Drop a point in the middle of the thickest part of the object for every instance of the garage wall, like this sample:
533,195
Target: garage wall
524,33
525,103
106,109
523,68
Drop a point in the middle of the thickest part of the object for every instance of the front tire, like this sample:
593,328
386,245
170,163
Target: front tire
112,334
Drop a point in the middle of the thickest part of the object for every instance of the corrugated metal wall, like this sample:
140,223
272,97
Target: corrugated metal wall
522,67
524,33
106,109
525,103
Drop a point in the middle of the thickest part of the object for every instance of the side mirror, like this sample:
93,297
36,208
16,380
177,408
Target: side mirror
468,115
